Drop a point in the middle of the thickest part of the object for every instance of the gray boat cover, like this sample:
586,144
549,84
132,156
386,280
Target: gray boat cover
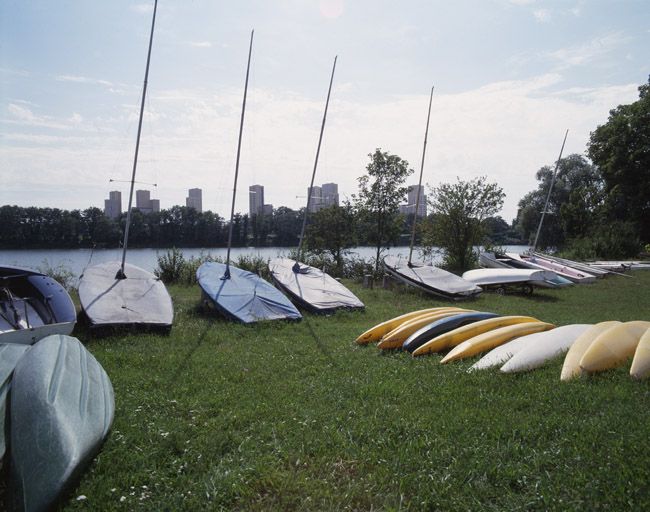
10,354
245,296
310,287
141,299
61,409
430,279
32,306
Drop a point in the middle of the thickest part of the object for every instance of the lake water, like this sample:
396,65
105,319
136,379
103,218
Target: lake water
76,260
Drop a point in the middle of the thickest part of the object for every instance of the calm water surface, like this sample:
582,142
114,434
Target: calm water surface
76,260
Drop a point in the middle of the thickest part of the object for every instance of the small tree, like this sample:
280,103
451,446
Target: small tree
456,225
380,193
331,230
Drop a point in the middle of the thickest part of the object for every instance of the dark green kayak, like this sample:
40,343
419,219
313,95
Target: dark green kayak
10,354
61,409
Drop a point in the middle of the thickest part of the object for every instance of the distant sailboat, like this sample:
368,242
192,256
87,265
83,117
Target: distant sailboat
117,293
424,276
308,286
238,294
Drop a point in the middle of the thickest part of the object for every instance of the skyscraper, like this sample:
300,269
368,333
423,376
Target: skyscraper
194,199
409,208
113,205
255,200
330,192
315,200
144,203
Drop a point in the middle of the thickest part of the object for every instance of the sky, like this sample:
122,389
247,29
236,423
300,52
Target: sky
510,77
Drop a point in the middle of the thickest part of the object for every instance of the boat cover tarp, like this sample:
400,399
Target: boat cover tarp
245,296
10,354
32,306
496,276
61,410
430,279
140,299
311,287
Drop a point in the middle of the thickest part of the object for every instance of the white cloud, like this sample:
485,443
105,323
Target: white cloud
200,44
589,51
542,15
142,8
505,130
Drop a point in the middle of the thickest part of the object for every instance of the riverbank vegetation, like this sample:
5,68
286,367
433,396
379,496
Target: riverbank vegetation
296,416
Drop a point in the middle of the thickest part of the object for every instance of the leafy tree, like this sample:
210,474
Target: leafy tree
287,224
574,205
621,149
381,191
331,230
459,210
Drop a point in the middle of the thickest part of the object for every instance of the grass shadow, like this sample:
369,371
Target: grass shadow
185,363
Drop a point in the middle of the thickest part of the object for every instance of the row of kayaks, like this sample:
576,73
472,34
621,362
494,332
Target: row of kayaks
515,343
56,409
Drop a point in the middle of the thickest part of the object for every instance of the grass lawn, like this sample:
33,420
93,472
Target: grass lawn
295,416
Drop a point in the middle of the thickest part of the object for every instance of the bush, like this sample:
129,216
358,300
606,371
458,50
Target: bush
60,273
613,240
170,266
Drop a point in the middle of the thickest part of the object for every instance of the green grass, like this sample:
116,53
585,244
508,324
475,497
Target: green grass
295,416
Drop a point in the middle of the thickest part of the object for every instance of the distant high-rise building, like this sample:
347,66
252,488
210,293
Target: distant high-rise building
255,200
144,203
194,199
409,208
315,200
113,205
330,193
267,209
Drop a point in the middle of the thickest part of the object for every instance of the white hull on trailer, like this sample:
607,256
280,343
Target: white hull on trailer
494,277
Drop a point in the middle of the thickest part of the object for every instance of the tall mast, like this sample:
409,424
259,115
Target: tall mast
120,273
226,274
550,189
313,174
417,200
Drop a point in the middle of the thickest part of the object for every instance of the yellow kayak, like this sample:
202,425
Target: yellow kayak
378,331
397,337
453,338
641,363
613,347
489,340
571,367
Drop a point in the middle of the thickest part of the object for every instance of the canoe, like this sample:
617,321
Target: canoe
244,296
139,300
438,327
640,368
32,306
491,339
490,260
501,354
61,410
571,367
613,347
10,354
547,346
397,337
430,279
459,335
311,288
378,331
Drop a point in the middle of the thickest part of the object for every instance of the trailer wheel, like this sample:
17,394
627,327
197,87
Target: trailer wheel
527,289
501,290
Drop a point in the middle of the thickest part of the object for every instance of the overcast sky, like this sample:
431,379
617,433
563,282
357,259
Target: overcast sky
510,77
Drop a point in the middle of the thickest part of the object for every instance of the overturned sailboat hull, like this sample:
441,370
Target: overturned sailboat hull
430,279
32,306
139,300
312,288
243,296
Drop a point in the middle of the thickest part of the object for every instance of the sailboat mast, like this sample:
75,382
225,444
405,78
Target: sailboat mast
417,200
313,174
234,188
548,196
120,272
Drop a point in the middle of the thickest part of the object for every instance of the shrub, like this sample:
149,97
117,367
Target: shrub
60,273
170,266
